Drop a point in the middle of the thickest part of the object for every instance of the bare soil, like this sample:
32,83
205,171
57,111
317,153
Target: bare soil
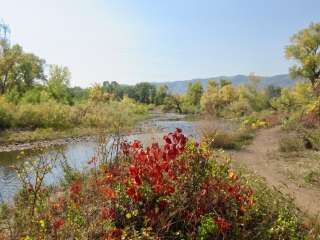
260,156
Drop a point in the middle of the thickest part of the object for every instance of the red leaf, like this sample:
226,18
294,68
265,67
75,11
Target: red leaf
137,180
133,170
167,139
58,223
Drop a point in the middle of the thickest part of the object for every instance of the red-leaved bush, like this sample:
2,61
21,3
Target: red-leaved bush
173,186
174,190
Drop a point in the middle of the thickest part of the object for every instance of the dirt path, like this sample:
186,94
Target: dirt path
257,157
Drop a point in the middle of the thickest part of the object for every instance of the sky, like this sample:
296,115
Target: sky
131,41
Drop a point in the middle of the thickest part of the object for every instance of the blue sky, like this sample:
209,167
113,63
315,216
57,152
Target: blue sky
130,41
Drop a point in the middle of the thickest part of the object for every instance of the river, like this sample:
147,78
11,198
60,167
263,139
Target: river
79,153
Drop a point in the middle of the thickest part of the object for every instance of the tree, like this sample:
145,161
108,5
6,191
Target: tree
286,102
145,92
18,69
79,94
173,102
98,94
58,83
224,82
194,93
8,60
227,94
29,69
209,101
161,94
273,91
114,89
4,32
305,49
257,100
217,97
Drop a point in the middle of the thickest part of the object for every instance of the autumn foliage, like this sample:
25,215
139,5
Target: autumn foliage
165,191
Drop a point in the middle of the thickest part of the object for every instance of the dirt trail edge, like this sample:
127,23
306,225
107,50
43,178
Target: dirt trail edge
257,157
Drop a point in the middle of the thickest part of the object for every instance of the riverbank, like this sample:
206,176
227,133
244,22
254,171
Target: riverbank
43,143
18,140
25,123
79,150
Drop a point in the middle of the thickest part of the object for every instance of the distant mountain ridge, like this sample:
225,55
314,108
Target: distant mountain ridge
179,87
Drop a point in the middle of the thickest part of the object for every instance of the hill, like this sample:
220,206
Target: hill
281,80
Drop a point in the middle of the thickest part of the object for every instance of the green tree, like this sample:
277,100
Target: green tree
129,91
224,82
58,83
305,49
217,97
115,89
194,93
256,99
161,94
273,91
79,94
209,99
173,102
145,92
34,95
18,69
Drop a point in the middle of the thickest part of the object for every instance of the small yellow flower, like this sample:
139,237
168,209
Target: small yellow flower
42,223
26,238
128,215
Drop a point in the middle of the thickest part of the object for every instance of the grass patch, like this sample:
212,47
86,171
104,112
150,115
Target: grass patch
312,177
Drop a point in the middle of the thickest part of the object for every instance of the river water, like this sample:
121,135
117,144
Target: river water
77,154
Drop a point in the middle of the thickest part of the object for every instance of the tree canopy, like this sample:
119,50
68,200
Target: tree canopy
19,69
305,49
58,83
194,93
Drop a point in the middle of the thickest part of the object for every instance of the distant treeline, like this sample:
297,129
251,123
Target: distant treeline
23,79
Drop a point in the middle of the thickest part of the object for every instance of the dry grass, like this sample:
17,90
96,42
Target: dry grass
291,143
225,134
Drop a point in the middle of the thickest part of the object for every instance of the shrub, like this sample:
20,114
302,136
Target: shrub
35,95
176,191
291,143
272,120
45,115
51,114
113,116
238,108
13,96
5,119
312,177
208,228
310,119
223,140
226,139
172,192
253,122
5,114
311,138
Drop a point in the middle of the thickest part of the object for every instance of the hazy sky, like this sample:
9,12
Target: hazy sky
131,41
